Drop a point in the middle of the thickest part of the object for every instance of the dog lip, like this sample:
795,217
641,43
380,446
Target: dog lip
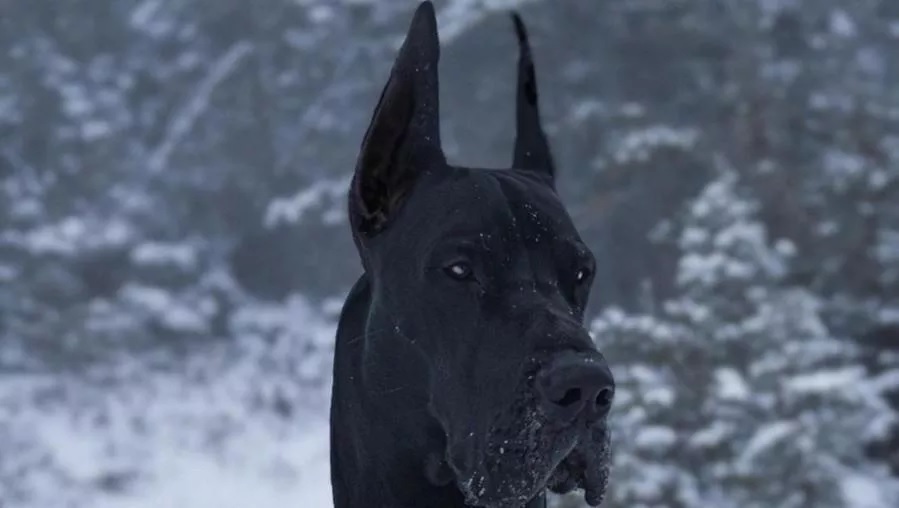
462,456
471,455
479,489
586,466
437,471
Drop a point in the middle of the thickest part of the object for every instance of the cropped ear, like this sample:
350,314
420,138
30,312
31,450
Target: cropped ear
403,138
531,147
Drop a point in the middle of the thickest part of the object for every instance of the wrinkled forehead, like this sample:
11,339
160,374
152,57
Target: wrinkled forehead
467,202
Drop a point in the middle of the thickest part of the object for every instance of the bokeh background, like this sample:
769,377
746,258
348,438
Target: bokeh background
174,247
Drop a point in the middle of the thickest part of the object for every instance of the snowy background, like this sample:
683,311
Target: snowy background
174,248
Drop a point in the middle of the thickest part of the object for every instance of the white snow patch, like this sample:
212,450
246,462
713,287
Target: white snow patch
841,24
223,430
639,145
731,384
764,439
291,210
860,491
92,130
159,253
711,436
299,477
73,234
655,437
826,381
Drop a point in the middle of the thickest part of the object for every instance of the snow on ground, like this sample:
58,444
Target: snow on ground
229,426
288,473
104,454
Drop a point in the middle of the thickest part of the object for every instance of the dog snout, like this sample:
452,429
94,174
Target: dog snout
573,385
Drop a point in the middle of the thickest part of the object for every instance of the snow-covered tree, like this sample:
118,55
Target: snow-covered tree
735,394
172,181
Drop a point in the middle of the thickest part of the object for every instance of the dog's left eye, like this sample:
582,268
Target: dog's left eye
582,275
459,271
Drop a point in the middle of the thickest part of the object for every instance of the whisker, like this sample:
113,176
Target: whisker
376,331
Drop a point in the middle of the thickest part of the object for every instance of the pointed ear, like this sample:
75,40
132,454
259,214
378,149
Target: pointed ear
531,147
403,138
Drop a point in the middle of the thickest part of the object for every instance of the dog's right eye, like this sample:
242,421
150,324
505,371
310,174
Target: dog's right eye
460,270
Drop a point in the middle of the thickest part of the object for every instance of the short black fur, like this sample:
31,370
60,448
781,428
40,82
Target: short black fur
454,345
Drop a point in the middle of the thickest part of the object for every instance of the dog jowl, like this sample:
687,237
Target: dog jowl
463,375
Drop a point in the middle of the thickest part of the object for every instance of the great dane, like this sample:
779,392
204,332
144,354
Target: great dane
463,375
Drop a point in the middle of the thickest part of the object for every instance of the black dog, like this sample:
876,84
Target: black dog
463,375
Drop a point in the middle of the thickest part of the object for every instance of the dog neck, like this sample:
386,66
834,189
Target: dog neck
378,432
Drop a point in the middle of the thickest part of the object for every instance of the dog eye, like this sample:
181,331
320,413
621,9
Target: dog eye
582,275
459,271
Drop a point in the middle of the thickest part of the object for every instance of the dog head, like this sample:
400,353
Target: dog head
483,276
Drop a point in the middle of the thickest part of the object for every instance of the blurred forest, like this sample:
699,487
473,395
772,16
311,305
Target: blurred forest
174,246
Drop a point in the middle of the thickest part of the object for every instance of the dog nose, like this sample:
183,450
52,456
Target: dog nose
574,384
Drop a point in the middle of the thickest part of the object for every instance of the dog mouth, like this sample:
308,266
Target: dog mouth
586,467
513,479
525,452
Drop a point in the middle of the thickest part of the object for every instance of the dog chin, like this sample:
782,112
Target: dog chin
508,480
479,492
584,465
586,468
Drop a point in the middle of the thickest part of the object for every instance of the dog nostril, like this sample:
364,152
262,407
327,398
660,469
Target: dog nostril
576,385
572,396
604,398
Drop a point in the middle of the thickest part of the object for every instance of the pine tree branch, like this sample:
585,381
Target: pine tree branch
183,120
